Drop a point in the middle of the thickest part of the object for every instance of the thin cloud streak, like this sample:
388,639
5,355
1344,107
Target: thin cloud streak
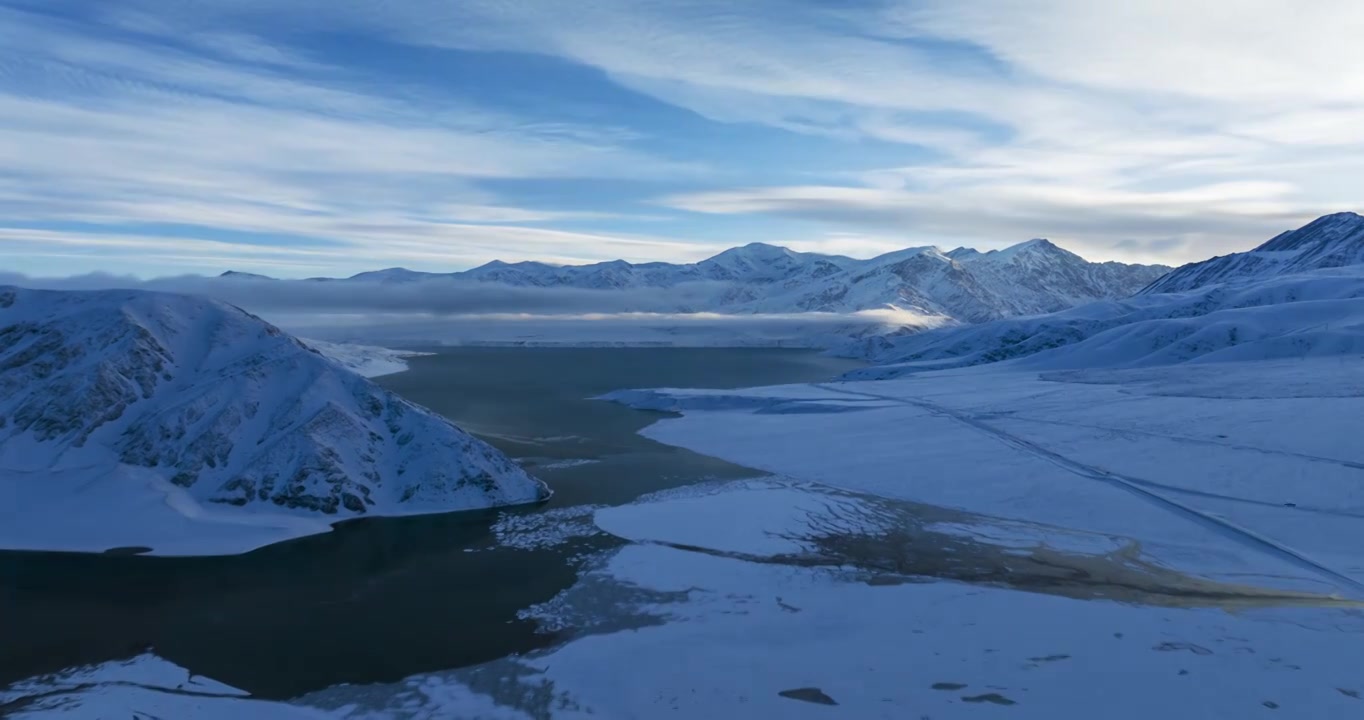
432,245
101,132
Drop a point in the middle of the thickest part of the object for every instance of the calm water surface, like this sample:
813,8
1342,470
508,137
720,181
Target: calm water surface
380,599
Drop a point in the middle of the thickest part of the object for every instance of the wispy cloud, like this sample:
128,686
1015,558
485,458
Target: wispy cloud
1158,130
1175,223
214,136
429,245
1157,107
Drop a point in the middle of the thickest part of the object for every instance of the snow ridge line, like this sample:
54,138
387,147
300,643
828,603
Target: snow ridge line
1135,486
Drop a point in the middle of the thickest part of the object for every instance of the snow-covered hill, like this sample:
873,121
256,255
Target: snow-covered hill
1304,315
214,408
1335,240
1299,295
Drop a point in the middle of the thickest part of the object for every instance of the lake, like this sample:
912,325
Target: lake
379,599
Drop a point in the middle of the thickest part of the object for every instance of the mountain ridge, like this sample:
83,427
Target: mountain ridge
1299,294
967,285
1334,240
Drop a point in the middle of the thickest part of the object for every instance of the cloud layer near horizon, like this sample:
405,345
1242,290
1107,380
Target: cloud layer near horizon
434,296
439,311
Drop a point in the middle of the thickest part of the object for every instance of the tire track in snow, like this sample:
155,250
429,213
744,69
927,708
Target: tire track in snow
1136,486
1195,441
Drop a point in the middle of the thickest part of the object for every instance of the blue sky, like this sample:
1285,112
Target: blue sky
325,137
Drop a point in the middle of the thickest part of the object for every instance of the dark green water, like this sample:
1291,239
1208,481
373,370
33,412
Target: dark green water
380,599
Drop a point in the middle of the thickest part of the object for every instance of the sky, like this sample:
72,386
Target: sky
299,138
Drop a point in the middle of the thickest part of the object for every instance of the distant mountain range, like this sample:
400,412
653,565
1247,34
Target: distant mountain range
963,284
1300,294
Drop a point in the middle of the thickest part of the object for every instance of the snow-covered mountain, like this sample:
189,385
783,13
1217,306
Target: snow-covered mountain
1299,295
962,284
221,405
970,286
1300,315
1335,240
1036,276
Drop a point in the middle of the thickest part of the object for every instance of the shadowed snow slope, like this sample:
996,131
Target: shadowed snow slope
207,404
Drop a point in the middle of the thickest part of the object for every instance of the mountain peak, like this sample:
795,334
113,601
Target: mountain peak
1327,229
1343,216
244,275
1039,243
762,246
1035,246
1334,240
896,256
523,264
756,250
394,274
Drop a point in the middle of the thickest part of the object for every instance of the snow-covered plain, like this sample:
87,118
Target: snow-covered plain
800,612
1229,464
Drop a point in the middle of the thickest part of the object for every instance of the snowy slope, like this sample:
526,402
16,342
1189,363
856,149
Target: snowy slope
1308,314
1335,240
1299,295
220,410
